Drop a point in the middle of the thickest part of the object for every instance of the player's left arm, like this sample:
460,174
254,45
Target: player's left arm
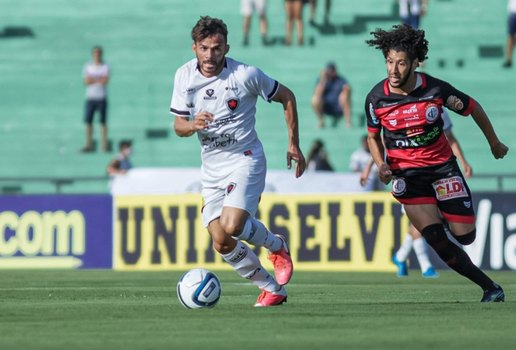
287,98
498,149
457,151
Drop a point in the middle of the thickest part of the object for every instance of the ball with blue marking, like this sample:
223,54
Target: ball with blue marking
198,288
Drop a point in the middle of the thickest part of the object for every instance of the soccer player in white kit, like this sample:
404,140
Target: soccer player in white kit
215,97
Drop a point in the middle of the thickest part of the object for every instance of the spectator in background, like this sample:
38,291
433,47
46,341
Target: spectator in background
361,162
121,163
96,77
511,32
294,12
411,11
318,157
332,96
327,8
247,7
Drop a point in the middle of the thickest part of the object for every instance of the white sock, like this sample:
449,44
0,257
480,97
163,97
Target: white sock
257,234
420,247
246,264
405,248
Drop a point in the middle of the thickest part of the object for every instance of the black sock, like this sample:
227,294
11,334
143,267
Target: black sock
455,257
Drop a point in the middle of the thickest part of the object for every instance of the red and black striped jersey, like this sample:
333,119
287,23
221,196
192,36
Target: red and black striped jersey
412,125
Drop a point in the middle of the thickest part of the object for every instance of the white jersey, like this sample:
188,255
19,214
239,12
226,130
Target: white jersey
96,91
231,97
511,6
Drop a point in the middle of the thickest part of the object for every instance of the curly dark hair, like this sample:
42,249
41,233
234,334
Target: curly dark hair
207,26
403,38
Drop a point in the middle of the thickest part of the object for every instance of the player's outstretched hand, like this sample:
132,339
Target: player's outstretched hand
499,150
295,154
385,173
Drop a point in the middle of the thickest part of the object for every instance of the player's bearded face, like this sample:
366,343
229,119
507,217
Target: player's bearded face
400,69
211,53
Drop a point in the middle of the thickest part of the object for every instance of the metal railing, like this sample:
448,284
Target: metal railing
57,182
16,183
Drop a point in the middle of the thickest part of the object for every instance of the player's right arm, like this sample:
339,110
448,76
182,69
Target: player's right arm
185,127
374,140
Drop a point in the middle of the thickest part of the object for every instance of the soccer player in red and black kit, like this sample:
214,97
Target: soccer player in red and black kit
406,109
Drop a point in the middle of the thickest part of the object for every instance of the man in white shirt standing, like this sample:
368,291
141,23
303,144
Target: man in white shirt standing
96,77
215,97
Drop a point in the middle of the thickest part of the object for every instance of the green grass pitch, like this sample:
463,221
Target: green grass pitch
54,309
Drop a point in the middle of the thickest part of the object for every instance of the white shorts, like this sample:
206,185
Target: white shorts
241,188
247,7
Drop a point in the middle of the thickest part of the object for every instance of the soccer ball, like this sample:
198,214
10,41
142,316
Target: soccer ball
198,288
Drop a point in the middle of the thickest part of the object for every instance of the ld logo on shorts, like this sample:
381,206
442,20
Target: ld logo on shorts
449,188
399,186
230,188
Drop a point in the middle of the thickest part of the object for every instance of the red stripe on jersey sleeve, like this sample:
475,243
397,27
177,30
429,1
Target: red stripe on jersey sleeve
471,106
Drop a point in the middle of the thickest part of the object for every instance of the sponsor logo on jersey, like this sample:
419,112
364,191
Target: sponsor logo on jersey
230,188
411,110
221,121
449,188
231,88
232,104
416,138
393,122
455,103
209,93
393,114
414,117
399,186
467,204
431,113
218,141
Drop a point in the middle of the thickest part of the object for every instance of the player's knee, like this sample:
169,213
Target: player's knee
434,234
231,227
223,245
436,237
466,239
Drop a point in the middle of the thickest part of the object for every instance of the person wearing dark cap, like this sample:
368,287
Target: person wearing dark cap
121,163
332,96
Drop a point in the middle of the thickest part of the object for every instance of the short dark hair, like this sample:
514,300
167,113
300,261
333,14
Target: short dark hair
207,26
124,143
97,47
401,37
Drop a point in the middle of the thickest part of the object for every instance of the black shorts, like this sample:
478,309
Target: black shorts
442,185
511,24
91,107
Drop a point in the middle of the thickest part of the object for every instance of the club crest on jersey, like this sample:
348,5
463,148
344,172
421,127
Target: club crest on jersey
399,186
449,188
431,113
209,93
232,104
230,188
